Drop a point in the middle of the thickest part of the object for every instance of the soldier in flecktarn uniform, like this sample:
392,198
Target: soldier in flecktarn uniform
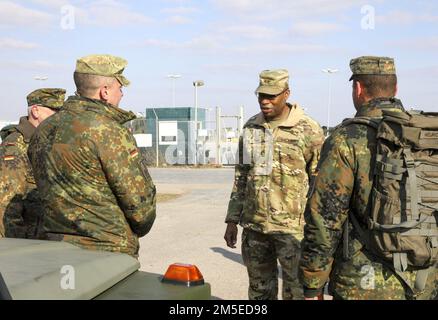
20,207
94,184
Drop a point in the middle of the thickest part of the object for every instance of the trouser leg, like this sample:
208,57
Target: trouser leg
259,256
288,253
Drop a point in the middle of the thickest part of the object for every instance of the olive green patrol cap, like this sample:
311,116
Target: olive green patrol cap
52,98
273,81
103,65
369,65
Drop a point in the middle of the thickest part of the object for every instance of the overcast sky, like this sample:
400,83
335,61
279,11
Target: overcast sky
226,43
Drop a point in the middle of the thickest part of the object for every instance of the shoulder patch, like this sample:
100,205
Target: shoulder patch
134,153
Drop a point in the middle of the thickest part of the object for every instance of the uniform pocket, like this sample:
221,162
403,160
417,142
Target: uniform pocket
143,169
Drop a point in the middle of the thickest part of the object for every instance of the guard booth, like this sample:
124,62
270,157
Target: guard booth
173,133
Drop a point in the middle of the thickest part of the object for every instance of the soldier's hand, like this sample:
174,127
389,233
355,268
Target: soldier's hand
231,235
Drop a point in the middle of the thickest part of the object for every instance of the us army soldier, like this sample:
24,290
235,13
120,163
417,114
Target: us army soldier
95,187
343,187
278,154
20,207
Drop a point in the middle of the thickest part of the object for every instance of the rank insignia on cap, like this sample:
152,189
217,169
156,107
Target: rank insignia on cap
134,153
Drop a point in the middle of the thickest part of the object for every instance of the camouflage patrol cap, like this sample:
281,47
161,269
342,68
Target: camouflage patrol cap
273,81
369,65
52,98
103,65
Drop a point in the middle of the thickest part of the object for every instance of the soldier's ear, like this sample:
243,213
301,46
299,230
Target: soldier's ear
34,111
104,94
358,88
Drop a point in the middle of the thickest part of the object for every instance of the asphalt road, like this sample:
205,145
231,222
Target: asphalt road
190,229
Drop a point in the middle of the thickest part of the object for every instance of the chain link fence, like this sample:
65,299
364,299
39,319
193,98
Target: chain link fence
165,142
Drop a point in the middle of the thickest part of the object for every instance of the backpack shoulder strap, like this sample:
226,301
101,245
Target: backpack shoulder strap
369,121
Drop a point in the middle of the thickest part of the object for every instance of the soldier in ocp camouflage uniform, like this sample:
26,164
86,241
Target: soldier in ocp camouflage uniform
342,187
95,187
278,153
20,207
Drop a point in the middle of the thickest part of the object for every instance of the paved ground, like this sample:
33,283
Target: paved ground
190,229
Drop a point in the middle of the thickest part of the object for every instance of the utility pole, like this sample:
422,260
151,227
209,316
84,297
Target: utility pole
157,138
173,77
218,135
241,116
329,72
196,84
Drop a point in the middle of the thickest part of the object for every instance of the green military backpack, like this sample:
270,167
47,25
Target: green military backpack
402,226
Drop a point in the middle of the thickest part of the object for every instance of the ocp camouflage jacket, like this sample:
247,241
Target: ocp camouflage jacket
272,177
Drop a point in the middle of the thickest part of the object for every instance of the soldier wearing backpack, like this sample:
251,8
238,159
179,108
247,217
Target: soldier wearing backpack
371,218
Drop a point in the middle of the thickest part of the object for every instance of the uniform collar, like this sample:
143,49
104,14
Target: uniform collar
100,107
26,129
374,107
295,115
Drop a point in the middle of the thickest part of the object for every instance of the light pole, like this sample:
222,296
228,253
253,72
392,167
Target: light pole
196,84
329,72
157,139
173,77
